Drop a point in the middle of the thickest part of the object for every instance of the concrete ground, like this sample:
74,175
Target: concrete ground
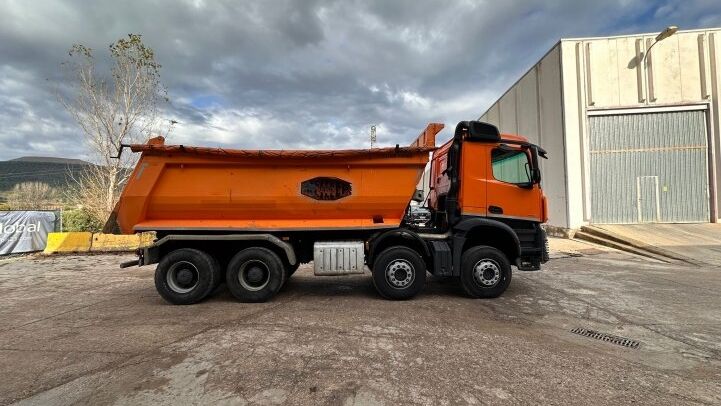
78,330
701,243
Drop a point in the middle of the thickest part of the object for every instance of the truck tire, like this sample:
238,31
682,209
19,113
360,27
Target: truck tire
485,272
186,276
255,275
399,273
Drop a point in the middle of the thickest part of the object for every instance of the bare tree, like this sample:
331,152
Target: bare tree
121,107
31,195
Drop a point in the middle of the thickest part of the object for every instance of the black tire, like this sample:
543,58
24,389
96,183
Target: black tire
485,272
399,273
186,276
255,275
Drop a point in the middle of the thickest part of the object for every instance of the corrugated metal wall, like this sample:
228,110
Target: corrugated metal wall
649,168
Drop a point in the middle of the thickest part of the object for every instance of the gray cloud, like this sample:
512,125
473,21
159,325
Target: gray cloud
303,74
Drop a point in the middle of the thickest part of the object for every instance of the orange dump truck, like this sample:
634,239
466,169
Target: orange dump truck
250,218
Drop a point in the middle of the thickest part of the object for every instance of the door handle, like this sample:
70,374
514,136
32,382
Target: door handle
495,210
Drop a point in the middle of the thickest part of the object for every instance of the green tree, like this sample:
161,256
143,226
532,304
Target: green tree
80,220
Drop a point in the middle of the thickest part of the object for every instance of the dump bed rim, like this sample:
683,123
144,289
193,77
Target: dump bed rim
152,149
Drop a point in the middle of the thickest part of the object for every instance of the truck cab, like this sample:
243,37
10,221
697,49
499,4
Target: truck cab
487,207
496,180
487,187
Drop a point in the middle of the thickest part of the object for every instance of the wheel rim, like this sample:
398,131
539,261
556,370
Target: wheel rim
400,274
254,275
182,277
487,273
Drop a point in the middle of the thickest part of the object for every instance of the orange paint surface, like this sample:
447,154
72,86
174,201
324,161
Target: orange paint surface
479,190
177,187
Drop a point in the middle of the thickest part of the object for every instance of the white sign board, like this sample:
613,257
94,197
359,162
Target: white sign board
25,231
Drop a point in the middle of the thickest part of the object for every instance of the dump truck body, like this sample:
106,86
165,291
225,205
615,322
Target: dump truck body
226,190
249,218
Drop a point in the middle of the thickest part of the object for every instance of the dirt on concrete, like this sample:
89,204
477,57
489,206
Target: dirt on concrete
78,330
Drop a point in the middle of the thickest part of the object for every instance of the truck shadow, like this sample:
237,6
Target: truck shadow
354,286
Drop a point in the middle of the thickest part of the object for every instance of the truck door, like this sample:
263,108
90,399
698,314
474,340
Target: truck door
510,191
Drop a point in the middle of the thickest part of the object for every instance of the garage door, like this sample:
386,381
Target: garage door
649,168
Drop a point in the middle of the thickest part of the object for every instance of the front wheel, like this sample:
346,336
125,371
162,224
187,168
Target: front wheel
399,273
485,272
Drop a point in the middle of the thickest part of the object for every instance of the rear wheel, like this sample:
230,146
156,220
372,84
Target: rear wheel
399,273
485,272
255,275
186,276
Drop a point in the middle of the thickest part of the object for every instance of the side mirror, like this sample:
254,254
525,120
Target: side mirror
418,196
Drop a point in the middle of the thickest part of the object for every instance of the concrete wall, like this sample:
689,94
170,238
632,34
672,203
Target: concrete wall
608,75
533,108
714,62
551,102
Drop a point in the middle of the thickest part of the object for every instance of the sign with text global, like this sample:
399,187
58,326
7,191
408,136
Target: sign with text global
25,231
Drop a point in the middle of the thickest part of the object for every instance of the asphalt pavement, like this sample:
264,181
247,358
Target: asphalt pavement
78,330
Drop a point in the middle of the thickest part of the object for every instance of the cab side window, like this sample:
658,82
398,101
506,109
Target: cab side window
510,166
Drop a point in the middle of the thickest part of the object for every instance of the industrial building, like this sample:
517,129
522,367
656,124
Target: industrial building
631,126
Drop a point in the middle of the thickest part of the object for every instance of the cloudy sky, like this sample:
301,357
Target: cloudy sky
303,74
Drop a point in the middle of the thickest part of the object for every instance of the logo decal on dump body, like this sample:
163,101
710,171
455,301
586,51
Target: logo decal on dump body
325,188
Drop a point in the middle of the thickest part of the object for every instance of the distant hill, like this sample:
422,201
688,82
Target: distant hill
50,170
49,159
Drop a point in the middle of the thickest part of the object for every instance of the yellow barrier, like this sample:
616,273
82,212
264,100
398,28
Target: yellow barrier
99,242
112,242
68,242
147,238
